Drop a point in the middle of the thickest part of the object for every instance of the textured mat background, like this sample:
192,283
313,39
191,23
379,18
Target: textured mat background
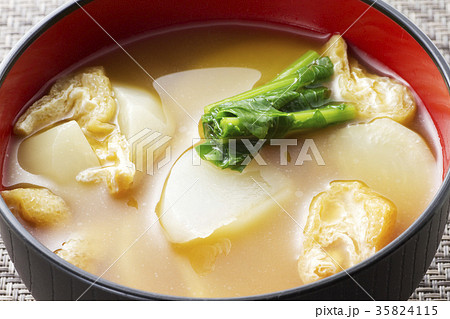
432,16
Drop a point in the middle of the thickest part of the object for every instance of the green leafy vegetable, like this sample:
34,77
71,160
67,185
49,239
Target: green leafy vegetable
225,146
317,71
225,154
292,102
307,99
303,61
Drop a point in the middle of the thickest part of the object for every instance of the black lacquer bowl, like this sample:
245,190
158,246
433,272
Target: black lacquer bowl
70,34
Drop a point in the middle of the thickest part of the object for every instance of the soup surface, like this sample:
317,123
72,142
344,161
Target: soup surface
194,67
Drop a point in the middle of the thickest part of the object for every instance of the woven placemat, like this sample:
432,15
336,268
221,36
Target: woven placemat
432,16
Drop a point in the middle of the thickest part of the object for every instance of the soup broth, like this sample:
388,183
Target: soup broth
194,67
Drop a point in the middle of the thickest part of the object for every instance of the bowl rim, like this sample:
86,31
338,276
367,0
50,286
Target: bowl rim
124,291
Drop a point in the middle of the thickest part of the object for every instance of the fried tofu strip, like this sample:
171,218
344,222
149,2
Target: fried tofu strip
374,95
80,252
38,206
346,224
86,97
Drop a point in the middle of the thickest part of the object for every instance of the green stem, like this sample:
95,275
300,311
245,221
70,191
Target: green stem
285,79
301,62
332,113
288,81
229,121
